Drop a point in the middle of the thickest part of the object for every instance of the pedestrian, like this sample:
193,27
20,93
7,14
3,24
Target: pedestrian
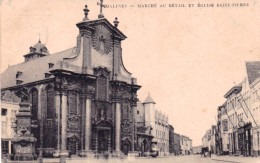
209,153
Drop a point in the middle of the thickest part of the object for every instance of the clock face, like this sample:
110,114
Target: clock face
102,40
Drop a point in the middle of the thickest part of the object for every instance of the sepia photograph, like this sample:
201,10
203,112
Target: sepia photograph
130,81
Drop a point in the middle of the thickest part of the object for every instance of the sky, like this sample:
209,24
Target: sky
186,58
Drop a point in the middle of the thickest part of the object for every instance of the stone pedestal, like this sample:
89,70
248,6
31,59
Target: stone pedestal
133,154
24,141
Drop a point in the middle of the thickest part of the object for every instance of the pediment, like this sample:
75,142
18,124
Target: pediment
94,24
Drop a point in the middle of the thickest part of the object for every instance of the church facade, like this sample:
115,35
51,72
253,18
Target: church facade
82,99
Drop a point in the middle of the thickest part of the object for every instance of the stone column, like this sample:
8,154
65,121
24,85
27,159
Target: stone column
58,118
118,125
40,120
9,147
134,126
64,151
83,122
88,124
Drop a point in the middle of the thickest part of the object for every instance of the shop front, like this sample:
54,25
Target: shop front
244,139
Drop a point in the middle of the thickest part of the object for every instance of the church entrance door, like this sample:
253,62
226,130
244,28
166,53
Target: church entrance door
126,146
73,145
102,141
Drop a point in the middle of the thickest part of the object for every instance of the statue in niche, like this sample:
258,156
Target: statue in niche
102,114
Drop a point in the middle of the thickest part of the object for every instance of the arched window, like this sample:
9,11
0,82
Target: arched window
50,102
34,101
102,88
72,100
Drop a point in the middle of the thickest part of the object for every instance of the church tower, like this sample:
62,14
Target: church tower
149,110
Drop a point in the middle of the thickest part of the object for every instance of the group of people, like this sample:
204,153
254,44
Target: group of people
206,153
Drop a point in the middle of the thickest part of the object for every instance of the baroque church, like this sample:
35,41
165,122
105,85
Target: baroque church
82,99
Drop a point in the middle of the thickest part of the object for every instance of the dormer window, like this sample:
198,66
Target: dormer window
32,49
51,65
47,75
19,81
18,74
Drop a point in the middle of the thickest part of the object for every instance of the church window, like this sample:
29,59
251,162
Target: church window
34,97
4,112
137,111
51,65
18,74
50,103
72,99
102,88
47,75
19,81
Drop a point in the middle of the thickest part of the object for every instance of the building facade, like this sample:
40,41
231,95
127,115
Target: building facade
209,140
221,135
176,144
171,139
242,110
186,145
196,150
8,111
82,99
147,113
255,106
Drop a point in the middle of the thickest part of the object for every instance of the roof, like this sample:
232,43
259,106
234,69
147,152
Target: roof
253,71
234,89
149,99
27,69
39,46
92,23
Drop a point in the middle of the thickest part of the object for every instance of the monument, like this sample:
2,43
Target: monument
24,141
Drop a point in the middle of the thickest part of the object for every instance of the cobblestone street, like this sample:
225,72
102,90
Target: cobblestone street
178,159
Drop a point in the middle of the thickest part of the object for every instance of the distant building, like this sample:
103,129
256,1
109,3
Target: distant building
221,131
186,145
209,140
8,111
238,129
158,121
196,149
176,144
171,139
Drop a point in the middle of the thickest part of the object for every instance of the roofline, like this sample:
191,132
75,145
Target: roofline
27,84
105,21
234,89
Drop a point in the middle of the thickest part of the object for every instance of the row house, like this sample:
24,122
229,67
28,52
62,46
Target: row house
221,136
8,112
208,140
186,145
176,144
147,114
238,119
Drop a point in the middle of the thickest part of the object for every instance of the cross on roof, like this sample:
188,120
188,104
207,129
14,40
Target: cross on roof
101,6
39,36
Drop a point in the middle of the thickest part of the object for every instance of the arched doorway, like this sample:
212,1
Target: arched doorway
73,145
145,145
102,141
125,146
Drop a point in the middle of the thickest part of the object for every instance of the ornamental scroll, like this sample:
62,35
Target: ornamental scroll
74,123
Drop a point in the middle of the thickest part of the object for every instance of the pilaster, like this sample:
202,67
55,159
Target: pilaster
40,120
58,121
63,150
118,125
